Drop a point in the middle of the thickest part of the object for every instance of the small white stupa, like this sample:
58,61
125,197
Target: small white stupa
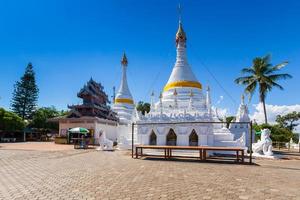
243,112
123,103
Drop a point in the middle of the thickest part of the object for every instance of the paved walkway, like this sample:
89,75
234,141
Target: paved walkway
88,174
37,146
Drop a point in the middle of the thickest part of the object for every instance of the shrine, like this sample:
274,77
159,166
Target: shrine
93,114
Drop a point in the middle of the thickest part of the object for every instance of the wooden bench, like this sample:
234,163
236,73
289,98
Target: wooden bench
202,150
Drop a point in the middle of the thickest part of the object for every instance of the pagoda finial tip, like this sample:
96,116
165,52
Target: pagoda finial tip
124,60
180,35
179,12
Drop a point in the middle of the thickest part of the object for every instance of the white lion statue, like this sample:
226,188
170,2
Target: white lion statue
105,144
264,145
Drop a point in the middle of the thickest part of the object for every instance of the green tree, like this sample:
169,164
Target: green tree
143,107
9,121
229,119
63,112
41,116
289,120
25,94
278,133
262,74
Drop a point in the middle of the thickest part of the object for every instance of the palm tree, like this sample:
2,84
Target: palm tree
262,74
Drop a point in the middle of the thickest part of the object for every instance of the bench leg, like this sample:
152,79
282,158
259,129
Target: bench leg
200,154
237,156
243,157
167,150
204,154
136,152
170,153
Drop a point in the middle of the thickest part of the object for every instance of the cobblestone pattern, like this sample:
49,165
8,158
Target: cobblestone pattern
87,174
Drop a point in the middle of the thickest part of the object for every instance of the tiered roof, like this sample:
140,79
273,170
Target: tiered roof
95,103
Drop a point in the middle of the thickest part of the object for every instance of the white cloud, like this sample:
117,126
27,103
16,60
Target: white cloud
272,112
221,98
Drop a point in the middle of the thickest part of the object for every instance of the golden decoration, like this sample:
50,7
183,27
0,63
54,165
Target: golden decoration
180,35
192,84
128,101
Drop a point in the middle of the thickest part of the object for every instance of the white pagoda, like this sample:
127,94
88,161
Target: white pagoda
125,109
123,103
171,120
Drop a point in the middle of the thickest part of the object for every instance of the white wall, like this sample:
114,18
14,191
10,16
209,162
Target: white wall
238,131
66,126
111,131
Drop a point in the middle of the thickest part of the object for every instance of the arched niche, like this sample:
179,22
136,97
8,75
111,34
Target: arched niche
152,138
193,138
171,138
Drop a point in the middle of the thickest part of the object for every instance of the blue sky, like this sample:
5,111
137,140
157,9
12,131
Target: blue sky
70,41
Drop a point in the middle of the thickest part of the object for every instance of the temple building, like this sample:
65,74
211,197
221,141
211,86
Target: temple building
94,113
94,102
183,115
183,102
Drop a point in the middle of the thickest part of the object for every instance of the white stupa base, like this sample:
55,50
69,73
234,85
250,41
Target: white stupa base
274,156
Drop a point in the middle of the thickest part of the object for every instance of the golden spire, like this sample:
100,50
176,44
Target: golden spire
180,35
124,60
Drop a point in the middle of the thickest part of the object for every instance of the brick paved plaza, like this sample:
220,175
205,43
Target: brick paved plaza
28,171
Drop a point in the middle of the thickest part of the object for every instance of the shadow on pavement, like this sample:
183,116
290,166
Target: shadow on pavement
212,160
